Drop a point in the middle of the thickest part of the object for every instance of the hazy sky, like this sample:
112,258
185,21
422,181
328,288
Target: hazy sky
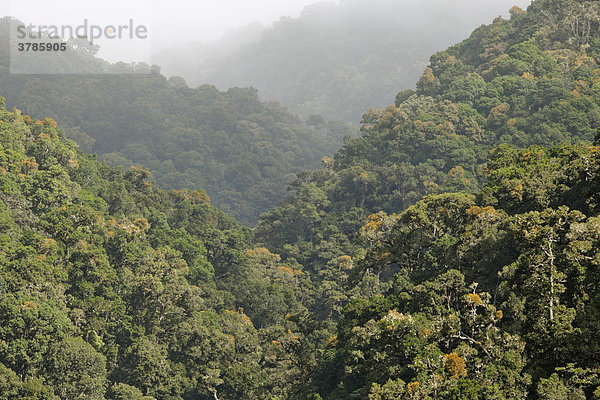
169,22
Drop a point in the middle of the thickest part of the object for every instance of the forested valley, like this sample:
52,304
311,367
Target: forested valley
450,250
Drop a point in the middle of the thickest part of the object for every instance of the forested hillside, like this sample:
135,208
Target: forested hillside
240,150
451,252
478,297
110,287
530,80
335,60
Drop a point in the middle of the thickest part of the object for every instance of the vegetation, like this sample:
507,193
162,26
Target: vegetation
527,81
451,252
240,150
477,297
111,287
530,80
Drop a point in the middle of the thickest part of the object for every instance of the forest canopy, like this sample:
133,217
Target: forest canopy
452,251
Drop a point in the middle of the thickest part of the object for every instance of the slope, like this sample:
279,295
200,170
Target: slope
241,150
112,288
337,60
528,80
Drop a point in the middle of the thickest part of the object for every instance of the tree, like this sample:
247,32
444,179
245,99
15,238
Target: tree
77,371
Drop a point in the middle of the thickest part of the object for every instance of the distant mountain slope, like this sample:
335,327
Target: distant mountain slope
337,60
240,150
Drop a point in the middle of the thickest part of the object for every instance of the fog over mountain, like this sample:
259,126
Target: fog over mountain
335,59
171,23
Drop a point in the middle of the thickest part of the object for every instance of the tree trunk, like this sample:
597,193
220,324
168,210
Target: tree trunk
550,255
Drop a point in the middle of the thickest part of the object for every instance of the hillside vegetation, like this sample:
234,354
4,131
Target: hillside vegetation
527,81
451,252
112,287
242,151
530,80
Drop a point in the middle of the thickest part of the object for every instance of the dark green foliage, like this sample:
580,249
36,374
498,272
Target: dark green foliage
519,316
77,370
529,82
519,82
451,252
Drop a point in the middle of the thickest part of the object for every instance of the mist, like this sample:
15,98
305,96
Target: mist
336,58
179,23
170,23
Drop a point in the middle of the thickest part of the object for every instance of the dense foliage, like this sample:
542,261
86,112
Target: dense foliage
240,150
524,81
478,297
111,287
530,80
451,252
335,60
